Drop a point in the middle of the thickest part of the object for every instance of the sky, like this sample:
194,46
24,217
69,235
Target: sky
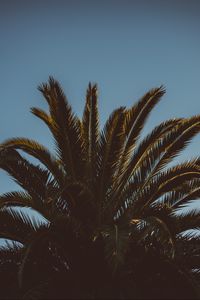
126,47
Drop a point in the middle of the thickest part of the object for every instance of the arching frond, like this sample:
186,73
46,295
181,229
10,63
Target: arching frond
137,115
67,129
166,181
23,225
41,114
31,178
144,157
181,195
188,220
185,132
135,119
38,151
18,198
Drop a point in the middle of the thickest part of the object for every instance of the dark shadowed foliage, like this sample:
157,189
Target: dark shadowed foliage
110,201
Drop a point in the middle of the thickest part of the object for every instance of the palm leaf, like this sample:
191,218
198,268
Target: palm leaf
16,199
186,131
41,114
180,193
135,119
164,183
143,159
23,225
67,129
30,177
110,147
38,151
137,115
90,131
188,220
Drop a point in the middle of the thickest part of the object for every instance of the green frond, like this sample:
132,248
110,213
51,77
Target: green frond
90,131
67,129
39,152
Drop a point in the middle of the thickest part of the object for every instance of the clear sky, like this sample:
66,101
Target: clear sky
127,47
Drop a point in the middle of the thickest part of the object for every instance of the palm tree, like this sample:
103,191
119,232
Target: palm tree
110,202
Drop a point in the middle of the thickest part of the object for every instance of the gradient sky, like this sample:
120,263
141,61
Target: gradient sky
127,47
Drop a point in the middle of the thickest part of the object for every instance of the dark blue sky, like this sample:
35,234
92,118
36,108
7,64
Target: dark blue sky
127,47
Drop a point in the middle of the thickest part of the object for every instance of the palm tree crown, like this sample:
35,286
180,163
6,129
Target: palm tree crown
110,202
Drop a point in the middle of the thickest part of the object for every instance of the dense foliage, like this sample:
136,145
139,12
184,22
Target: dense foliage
109,201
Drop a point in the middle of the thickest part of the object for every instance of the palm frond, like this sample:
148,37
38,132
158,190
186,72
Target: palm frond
39,152
144,157
67,128
185,200
42,115
175,176
135,119
16,198
23,225
185,132
90,131
165,182
137,115
110,146
188,220
30,177
178,197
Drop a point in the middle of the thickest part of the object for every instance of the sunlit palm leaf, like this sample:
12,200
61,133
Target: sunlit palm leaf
67,129
110,146
90,131
17,199
39,152
135,119
186,131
